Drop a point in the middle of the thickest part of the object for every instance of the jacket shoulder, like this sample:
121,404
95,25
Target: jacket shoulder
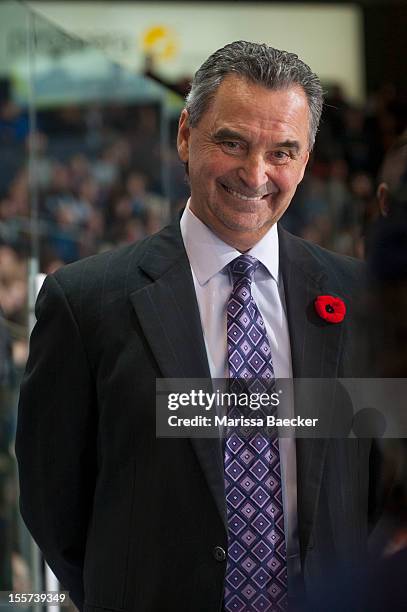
115,262
335,264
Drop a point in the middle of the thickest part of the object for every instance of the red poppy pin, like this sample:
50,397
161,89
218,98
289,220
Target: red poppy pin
331,309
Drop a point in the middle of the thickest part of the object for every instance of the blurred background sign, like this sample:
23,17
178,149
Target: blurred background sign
181,35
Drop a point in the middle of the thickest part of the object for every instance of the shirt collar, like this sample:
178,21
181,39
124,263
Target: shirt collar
208,254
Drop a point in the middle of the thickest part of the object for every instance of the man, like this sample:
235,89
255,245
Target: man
391,191
131,522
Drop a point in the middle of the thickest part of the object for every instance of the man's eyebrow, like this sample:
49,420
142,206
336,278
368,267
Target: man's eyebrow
226,133
289,144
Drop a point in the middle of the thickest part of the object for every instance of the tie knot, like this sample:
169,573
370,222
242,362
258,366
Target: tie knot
243,268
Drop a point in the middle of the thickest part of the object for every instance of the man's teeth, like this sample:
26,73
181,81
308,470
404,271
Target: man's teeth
236,194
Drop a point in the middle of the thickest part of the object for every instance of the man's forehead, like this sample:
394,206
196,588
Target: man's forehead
240,98
275,122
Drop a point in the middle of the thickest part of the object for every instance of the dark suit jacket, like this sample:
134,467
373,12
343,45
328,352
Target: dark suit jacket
131,522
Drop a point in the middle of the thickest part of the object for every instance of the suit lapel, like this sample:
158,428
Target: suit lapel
316,349
316,346
168,313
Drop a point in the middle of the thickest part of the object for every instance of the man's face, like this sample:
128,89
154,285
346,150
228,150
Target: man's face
245,158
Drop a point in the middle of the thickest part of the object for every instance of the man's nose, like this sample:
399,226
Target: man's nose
254,172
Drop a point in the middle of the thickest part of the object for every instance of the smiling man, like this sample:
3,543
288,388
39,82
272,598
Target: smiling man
246,157
129,522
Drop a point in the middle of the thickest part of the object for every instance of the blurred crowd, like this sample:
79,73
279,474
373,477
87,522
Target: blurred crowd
107,175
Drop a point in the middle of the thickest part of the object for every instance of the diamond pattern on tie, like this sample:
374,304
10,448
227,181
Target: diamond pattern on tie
256,573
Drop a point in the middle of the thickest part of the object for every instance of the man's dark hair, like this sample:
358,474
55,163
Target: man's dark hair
260,64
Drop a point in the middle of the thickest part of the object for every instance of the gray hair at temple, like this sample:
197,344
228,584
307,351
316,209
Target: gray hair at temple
260,64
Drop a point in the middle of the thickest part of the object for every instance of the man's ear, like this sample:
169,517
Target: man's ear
383,198
183,137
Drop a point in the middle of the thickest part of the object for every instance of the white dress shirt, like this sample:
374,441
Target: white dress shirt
208,257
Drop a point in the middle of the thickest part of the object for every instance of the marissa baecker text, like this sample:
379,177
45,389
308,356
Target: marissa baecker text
224,421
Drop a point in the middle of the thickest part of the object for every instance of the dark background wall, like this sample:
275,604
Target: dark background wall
385,27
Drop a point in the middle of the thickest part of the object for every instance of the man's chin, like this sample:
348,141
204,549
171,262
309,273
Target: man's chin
245,223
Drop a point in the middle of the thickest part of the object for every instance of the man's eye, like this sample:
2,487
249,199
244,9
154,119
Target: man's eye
231,145
281,155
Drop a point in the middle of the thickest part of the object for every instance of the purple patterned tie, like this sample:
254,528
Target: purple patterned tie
256,573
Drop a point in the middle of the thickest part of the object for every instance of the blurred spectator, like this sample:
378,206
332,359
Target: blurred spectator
37,144
357,140
64,238
14,124
392,189
13,290
79,167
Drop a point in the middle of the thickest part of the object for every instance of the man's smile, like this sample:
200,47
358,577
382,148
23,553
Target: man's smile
243,196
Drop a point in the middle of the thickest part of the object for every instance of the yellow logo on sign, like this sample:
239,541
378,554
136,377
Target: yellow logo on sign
160,42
